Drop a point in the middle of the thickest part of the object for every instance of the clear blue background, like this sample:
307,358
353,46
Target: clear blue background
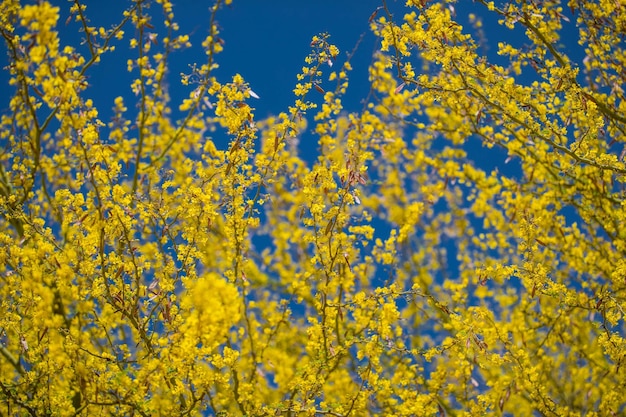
266,41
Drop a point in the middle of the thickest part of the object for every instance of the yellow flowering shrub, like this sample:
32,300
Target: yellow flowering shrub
456,246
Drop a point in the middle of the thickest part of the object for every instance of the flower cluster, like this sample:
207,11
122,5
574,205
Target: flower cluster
455,247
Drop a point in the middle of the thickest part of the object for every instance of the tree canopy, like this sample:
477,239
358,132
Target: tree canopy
456,246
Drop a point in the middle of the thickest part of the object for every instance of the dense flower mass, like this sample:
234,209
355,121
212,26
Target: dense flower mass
145,269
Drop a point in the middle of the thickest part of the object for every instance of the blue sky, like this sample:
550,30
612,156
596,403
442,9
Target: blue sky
265,41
